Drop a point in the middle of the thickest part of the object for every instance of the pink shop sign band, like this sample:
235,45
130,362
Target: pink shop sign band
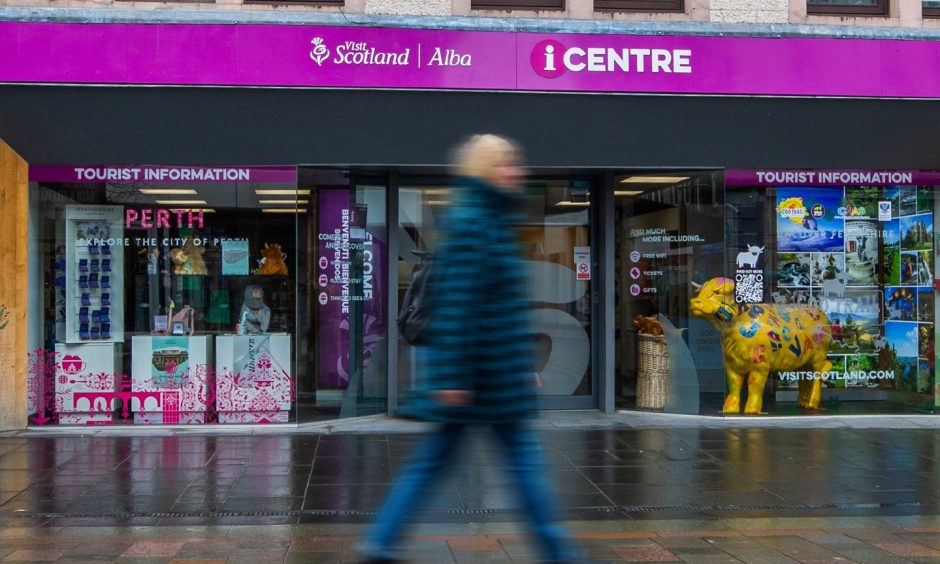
361,57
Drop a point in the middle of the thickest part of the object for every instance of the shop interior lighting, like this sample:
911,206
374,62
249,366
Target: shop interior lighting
437,202
194,210
262,192
653,179
570,203
627,192
168,191
182,202
294,203
284,210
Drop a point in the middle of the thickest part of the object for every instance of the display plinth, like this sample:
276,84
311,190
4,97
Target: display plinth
87,382
253,378
172,379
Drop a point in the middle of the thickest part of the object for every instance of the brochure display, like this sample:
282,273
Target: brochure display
93,274
87,381
88,278
253,378
172,379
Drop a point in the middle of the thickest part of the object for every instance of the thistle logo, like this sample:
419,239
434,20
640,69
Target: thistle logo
320,51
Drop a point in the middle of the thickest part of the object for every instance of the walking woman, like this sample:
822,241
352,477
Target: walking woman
479,365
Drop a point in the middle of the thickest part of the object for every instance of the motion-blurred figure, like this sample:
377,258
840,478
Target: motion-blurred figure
479,360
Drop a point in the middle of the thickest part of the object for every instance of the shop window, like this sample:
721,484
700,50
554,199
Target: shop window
847,7
790,298
517,4
202,295
639,5
169,296
859,262
931,8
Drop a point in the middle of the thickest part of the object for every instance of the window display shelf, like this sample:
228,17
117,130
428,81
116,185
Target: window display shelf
93,277
172,379
254,383
87,382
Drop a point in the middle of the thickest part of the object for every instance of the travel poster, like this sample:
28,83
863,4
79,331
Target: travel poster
908,200
891,257
901,352
924,199
808,219
900,303
235,257
794,269
924,376
925,340
893,195
860,364
861,201
916,268
854,319
170,360
916,232
925,304
861,252
828,266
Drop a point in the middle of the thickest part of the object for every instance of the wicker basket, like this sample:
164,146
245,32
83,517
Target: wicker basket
653,373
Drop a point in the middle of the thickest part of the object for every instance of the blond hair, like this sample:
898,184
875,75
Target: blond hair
480,154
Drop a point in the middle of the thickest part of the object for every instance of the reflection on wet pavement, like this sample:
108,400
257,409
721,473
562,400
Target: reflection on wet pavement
674,494
600,474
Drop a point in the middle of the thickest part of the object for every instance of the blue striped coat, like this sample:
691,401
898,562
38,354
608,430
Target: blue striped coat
480,336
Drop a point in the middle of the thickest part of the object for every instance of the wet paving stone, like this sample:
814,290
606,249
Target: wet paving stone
754,495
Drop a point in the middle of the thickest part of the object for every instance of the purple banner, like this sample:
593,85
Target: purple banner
368,57
254,55
337,226
834,177
196,174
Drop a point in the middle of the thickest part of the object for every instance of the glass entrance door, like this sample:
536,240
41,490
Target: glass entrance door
344,274
556,236
669,237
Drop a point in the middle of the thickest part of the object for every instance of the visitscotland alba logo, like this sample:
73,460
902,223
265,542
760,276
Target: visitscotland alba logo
551,59
357,53
320,51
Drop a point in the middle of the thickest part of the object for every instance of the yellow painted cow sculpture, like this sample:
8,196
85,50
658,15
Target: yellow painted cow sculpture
760,339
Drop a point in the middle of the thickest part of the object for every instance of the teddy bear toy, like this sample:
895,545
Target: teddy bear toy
273,263
188,260
647,325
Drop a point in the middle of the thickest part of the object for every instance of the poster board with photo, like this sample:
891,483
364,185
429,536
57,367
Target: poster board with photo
865,256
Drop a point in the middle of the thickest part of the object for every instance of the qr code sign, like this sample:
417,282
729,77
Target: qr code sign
749,287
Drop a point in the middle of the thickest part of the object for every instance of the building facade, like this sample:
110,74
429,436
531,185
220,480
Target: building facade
212,212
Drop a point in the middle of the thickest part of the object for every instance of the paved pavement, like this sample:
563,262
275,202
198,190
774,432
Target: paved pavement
636,488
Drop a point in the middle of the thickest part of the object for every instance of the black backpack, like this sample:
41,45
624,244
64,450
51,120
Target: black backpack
415,307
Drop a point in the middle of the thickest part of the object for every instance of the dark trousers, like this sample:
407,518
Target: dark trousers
436,453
